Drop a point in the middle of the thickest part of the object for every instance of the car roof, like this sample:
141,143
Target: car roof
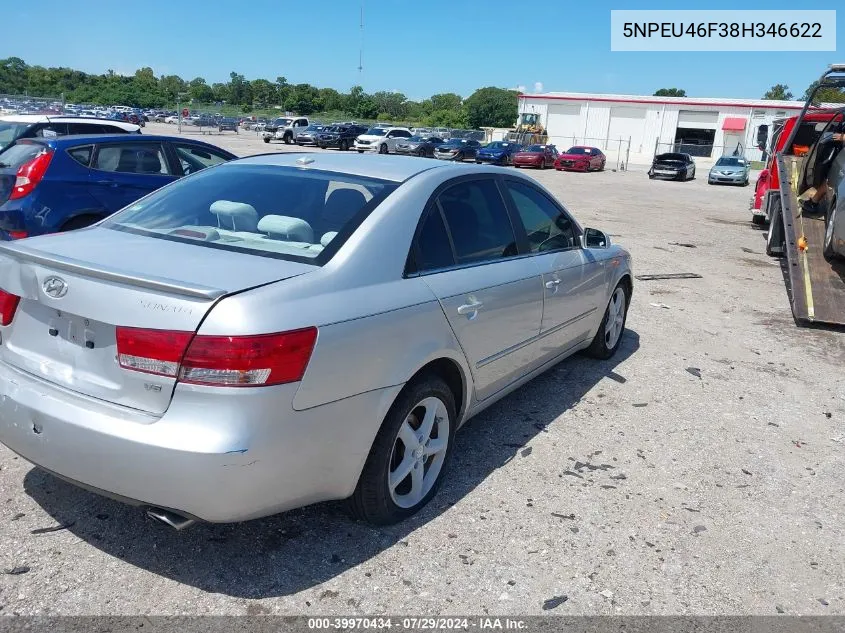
44,118
394,168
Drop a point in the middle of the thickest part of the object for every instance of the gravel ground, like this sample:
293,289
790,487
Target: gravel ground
698,472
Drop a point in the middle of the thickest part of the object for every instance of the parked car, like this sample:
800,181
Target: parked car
285,129
457,149
418,145
82,179
137,119
581,158
498,153
672,165
15,126
381,139
215,371
227,124
308,136
172,119
730,170
340,136
539,156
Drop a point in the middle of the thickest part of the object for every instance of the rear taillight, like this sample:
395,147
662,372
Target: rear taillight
222,361
8,305
30,174
17,235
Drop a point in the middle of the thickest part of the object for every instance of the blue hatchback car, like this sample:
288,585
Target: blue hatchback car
68,182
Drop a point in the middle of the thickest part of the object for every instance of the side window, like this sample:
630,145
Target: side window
433,248
478,222
51,130
110,129
548,228
81,155
193,158
131,158
403,134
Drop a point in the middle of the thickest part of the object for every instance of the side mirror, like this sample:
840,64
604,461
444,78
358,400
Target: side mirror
593,238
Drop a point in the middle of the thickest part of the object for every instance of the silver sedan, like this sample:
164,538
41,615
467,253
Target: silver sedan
282,330
730,170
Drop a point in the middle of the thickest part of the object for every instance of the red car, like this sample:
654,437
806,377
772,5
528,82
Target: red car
539,156
581,158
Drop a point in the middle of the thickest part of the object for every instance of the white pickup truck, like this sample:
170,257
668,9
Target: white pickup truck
285,129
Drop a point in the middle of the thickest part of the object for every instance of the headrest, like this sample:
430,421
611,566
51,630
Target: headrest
293,229
327,237
239,216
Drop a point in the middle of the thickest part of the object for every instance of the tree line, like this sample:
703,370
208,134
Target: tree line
778,92
494,107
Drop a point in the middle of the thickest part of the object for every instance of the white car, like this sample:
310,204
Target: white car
171,119
15,126
381,140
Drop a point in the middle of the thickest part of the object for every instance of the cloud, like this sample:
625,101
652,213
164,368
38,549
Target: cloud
538,86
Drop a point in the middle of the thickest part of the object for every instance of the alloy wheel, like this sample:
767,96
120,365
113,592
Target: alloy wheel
419,452
615,318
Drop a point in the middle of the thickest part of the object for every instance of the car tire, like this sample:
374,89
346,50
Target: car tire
288,138
608,338
360,151
343,145
542,165
477,162
758,220
827,245
380,499
383,148
266,140
421,153
746,183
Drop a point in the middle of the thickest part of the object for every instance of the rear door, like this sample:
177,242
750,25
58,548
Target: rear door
467,252
573,279
123,172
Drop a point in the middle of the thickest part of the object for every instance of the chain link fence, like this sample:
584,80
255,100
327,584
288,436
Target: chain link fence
712,152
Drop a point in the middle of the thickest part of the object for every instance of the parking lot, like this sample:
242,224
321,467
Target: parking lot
698,471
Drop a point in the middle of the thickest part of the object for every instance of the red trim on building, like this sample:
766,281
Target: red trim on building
734,124
798,105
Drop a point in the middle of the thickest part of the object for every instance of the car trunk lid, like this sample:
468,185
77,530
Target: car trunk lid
76,290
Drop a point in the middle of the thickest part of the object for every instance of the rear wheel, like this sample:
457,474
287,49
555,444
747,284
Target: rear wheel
266,140
360,151
609,336
759,220
409,455
288,138
343,145
79,222
382,148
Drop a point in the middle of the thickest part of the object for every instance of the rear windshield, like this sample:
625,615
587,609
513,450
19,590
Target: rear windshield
16,155
268,210
10,131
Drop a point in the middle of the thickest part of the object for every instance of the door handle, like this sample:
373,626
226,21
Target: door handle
109,183
553,284
470,308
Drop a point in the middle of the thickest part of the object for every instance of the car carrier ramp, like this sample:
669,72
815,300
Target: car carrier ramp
817,286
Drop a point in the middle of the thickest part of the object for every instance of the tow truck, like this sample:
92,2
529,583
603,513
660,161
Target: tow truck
816,286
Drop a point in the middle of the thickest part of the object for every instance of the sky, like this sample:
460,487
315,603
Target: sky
417,48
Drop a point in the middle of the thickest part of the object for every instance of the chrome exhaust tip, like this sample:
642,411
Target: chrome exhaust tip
176,521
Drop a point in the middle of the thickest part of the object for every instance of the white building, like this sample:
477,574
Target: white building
633,128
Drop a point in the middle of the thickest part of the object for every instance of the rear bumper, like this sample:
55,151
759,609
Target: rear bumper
219,455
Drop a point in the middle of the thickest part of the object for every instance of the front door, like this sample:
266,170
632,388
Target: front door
573,279
491,297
